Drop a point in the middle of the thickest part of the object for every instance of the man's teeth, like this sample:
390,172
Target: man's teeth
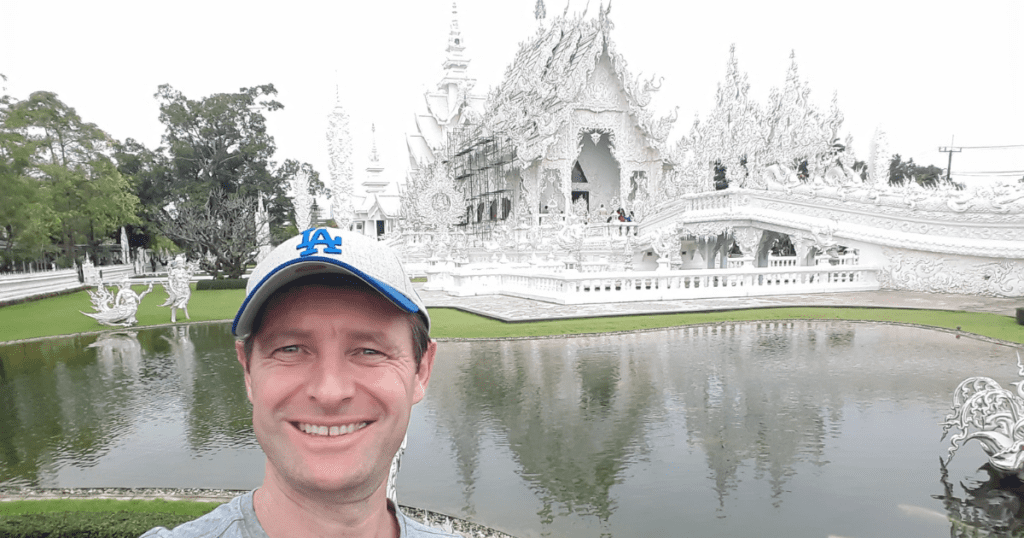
332,430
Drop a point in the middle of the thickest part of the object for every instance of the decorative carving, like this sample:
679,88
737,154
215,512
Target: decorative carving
992,415
116,310
748,239
302,201
177,287
940,275
339,148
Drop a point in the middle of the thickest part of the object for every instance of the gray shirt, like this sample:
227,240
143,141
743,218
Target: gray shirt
237,519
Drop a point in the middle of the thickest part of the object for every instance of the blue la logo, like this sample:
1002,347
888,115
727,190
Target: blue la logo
312,238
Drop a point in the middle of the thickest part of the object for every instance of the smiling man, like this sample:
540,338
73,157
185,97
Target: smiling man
335,347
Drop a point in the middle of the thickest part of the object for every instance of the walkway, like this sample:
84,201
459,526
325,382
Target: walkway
506,308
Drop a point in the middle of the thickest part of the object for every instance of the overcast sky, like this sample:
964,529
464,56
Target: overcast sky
923,70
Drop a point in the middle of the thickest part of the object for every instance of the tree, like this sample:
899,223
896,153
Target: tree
221,232
218,148
930,176
81,196
25,222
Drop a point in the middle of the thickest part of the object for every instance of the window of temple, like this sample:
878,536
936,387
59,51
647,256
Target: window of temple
492,211
637,178
577,174
480,212
506,208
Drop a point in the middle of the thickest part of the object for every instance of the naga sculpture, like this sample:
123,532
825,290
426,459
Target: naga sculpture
116,310
994,416
178,291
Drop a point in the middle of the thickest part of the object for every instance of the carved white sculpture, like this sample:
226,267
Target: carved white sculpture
339,148
302,201
116,310
179,275
992,415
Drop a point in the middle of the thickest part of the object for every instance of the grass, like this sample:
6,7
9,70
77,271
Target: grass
451,323
192,509
61,315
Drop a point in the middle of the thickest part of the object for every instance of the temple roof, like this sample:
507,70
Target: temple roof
547,76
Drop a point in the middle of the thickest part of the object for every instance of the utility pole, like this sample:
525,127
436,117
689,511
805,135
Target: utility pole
950,150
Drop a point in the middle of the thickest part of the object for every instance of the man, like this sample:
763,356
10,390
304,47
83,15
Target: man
335,347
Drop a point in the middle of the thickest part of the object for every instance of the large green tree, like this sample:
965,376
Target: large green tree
24,220
76,194
220,156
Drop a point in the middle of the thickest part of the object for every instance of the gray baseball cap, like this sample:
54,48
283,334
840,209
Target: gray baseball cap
328,250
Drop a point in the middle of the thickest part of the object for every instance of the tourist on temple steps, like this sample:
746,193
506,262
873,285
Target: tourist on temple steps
335,349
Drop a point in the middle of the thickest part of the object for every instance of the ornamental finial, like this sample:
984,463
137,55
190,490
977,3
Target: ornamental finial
539,11
374,157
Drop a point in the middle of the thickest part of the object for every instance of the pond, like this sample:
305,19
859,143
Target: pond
811,428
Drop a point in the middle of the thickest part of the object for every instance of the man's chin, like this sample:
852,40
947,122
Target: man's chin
338,487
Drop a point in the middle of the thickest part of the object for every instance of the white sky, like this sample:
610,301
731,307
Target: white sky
924,70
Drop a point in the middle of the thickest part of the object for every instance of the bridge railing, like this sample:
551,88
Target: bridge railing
571,287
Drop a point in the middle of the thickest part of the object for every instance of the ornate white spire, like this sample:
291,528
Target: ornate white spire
374,157
339,148
455,64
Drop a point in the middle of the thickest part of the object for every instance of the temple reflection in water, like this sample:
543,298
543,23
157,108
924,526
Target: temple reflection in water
798,428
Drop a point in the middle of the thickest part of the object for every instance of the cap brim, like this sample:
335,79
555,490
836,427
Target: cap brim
293,270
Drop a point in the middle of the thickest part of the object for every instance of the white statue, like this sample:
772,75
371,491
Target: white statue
125,304
992,415
177,287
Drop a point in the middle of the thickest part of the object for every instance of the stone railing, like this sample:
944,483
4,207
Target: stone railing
612,229
845,259
571,287
21,285
782,261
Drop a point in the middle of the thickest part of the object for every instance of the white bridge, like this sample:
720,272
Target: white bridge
743,242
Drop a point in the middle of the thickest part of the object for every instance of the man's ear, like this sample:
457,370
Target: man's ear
422,377
240,352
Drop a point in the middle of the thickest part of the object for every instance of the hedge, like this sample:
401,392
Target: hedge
87,524
222,284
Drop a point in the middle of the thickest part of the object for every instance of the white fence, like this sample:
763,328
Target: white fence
21,285
571,287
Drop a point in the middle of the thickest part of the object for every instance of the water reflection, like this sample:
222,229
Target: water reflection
74,402
991,503
796,429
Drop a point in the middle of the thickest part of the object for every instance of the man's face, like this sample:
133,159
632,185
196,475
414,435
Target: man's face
332,379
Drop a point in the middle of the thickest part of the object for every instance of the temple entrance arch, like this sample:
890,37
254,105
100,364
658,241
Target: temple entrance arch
596,172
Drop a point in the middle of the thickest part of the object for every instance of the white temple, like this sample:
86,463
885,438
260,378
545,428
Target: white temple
377,210
520,193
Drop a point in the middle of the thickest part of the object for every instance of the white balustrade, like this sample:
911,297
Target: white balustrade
782,261
21,285
572,287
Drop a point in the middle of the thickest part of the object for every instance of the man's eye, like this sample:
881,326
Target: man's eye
289,349
370,352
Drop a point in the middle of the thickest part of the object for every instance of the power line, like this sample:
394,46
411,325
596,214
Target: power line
993,147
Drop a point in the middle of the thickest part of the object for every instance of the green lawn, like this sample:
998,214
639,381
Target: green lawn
60,315
184,508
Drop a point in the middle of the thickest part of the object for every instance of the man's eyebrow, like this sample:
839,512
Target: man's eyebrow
285,334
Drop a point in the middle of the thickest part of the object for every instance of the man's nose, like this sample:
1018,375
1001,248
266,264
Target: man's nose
333,381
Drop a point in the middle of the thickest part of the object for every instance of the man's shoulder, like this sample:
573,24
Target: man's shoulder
414,529
226,521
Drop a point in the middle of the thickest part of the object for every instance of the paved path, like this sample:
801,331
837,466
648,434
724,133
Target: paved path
515,309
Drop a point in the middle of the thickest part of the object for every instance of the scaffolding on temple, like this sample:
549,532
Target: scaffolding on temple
482,165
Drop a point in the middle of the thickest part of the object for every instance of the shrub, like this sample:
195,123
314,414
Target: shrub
222,284
86,524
